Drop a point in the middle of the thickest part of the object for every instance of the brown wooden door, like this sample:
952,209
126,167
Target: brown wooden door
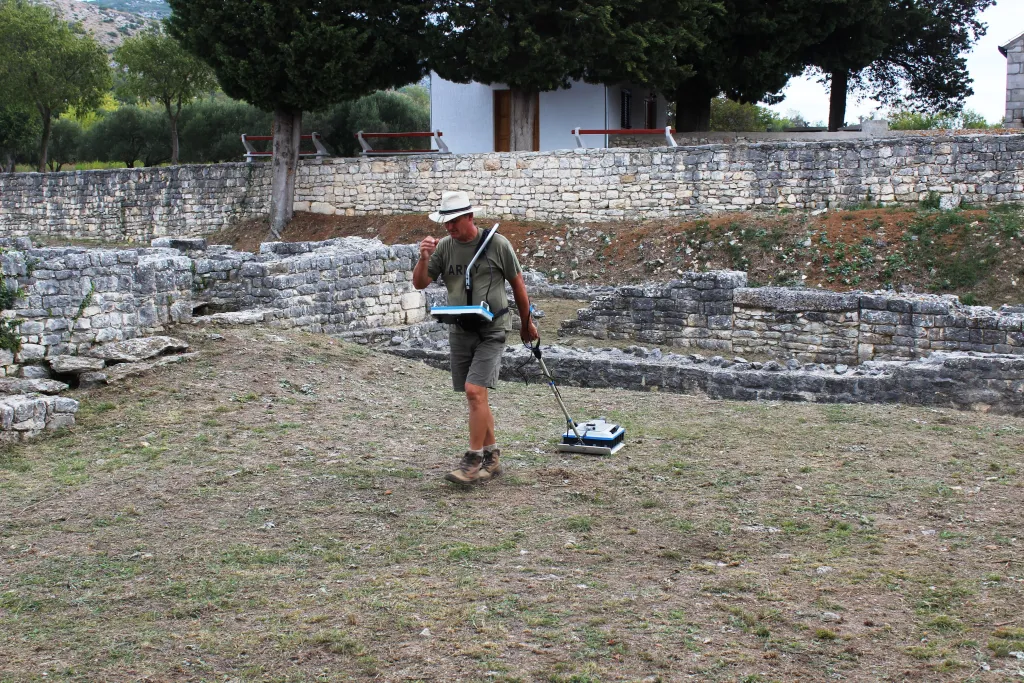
502,120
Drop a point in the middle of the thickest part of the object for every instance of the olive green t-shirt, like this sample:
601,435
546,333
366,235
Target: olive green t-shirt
490,272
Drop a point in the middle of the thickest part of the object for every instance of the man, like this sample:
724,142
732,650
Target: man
475,354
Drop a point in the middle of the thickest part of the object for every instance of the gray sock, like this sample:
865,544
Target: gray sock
490,449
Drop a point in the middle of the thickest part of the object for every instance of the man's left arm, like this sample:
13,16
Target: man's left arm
527,328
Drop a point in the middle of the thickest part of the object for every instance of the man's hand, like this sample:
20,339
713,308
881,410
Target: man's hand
421,272
528,332
427,247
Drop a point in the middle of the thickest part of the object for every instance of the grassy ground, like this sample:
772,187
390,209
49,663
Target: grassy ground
274,511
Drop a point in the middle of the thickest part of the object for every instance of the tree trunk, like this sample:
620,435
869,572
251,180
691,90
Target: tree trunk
174,132
693,106
840,81
524,117
287,131
45,144
8,165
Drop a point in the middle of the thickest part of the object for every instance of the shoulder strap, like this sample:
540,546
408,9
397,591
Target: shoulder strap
485,238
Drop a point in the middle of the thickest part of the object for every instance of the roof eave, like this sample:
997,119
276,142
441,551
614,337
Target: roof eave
1011,41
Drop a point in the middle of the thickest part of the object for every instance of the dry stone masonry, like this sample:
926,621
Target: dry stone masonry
693,311
92,316
573,185
715,311
975,382
77,299
132,204
333,286
26,415
89,316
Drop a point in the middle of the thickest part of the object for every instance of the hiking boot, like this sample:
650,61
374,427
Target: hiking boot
468,470
491,466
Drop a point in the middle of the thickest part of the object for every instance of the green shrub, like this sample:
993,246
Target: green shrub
729,115
210,130
944,242
943,120
130,135
382,112
66,136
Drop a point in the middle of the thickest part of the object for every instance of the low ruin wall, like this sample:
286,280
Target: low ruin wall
715,311
332,286
986,383
693,311
74,298
568,185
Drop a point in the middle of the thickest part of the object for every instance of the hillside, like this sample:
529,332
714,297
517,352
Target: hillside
151,9
109,26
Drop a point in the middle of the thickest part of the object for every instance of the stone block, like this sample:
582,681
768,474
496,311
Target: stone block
413,300
875,316
91,380
75,364
31,352
322,208
60,421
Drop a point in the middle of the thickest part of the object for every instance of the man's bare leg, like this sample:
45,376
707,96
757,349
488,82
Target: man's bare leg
481,419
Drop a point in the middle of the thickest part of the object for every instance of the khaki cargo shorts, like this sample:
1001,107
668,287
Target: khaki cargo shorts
476,357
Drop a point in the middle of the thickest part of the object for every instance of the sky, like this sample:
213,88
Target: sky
986,64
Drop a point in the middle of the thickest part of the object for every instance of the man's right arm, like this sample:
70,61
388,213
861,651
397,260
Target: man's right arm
421,273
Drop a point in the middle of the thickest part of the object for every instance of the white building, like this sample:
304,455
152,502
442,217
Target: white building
474,117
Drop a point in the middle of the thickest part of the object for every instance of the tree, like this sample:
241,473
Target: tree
45,63
65,143
19,129
128,134
916,120
728,115
384,112
537,45
903,53
211,129
290,56
750,51
156,67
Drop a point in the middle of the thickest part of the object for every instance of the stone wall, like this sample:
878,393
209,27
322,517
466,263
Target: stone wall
694,311
988,383
568,185
822,327
805,324
24,416
132,205
338,285
75,298
610,184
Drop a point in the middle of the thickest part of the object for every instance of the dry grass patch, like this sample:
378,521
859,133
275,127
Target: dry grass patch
275,512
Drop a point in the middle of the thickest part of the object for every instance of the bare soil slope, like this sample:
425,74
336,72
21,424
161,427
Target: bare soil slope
977,254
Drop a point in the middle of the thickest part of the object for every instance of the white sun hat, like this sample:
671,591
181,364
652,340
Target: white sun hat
453,205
